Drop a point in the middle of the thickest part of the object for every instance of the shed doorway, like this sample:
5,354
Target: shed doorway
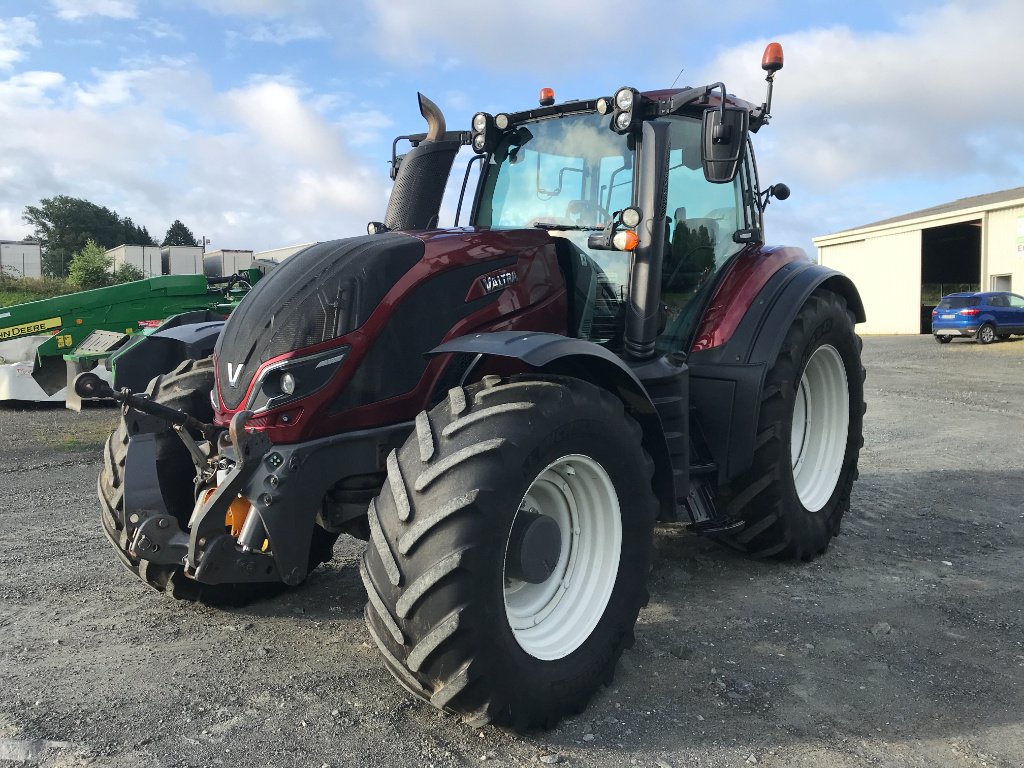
950,263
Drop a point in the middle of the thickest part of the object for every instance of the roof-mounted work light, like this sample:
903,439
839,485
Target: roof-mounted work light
485,135
625,106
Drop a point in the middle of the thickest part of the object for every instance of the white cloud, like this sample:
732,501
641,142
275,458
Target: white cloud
925,100
253,167
109,89
258,7
283,34
73,10
530,35
16,34
29,88
161,30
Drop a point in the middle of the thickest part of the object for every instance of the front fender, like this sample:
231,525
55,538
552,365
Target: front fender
188,336
561,355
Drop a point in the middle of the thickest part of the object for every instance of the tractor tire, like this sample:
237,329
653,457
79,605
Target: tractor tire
793,497
986,334
187,388
510,549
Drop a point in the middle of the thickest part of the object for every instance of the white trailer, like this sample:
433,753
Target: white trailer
226,261
181,260
20,258
145,258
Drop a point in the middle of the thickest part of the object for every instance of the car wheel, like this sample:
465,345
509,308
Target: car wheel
943,339
986,334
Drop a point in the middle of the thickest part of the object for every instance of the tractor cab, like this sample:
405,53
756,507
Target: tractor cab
569,172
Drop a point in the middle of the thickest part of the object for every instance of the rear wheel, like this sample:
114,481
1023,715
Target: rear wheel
809,435
510,548
186,388
943,339
986,334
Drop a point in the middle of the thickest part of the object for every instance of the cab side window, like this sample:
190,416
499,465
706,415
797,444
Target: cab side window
701,218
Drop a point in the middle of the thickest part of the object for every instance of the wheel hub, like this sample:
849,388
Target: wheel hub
533,547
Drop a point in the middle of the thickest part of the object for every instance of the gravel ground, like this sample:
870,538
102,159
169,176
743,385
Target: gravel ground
902,646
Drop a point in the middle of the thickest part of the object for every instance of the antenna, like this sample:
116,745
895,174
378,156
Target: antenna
678,76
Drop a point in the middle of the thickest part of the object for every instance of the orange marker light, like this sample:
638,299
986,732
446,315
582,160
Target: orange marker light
626,240
547,97
772,59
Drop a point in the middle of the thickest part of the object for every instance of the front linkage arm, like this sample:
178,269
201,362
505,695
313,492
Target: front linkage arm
90,386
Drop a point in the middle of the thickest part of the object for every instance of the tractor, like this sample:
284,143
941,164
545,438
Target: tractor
504,410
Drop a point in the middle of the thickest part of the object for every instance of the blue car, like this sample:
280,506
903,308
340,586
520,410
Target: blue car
985,316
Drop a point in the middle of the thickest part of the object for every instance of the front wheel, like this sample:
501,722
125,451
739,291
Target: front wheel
809,434
510,548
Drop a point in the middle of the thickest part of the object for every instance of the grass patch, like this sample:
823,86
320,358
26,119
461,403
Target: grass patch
19,290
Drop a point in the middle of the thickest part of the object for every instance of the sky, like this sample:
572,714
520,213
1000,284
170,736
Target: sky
265,123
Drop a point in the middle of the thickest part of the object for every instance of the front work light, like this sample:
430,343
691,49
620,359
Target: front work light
624,116
485,134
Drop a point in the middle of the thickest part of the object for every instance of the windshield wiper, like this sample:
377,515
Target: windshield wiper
566,227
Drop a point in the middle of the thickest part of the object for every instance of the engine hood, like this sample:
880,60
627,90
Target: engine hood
318,294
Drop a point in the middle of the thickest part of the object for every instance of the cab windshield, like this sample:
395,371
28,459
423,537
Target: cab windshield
563,171
567,175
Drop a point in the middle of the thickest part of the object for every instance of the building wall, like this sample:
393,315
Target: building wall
21,259
1003,248
887,273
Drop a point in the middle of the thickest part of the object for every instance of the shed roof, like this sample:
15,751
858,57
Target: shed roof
991,199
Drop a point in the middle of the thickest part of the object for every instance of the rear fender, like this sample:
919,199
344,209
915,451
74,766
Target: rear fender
726,382
560,355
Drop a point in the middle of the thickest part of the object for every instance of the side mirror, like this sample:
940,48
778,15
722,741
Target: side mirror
723,142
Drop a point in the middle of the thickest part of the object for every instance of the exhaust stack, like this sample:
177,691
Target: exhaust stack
415,201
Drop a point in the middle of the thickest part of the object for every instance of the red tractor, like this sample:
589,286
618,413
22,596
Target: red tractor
504,410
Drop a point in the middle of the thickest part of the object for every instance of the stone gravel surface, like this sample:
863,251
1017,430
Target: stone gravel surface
902,646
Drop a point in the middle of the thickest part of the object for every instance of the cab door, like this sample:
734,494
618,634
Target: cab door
700,221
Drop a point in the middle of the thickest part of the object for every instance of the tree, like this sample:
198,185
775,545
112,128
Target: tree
179,234
133,234
91,267
127,273
64,225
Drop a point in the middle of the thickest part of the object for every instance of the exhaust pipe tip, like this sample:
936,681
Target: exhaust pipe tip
435,119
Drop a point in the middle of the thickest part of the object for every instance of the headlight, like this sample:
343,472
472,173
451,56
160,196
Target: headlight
624,98
296,378
479,122
623,119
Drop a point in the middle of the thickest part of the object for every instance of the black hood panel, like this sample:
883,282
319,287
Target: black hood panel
323,292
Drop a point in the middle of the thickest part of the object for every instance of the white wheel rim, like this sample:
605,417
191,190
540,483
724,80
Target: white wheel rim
821,423
552,619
